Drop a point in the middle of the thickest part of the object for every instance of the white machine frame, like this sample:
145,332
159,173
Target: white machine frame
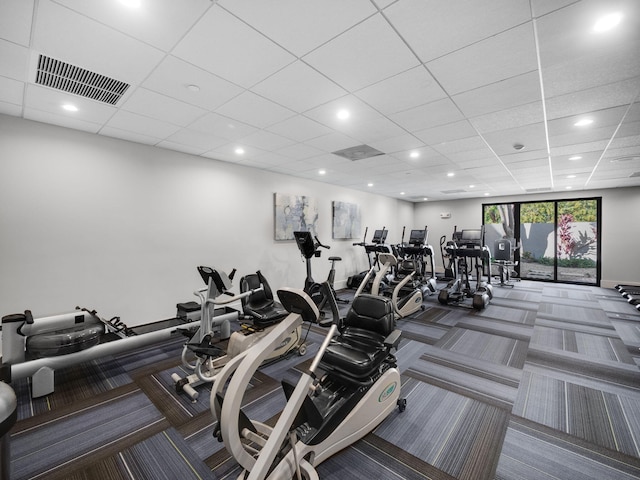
256,452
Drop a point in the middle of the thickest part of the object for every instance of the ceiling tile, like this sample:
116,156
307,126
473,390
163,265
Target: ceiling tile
532,137
401,143
11,91
403,91
173,77
139,124
15,21
502,95
60,120
511,117
15,61
200,141
222,127
102,49
128,135
369,52
502,56
266,140
254,110
427,116
222,44
50,100
446,133
436,28
161,107
160,23
299,128
299,87
301,25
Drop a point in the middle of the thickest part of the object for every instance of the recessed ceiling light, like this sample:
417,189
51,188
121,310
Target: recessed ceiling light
70,108
343,114
239,150
583,123
571,176
486,194
472,186
450,174
321,172
401,193
193,88
607,22
569,187
425,199
414,154
575,157
369,184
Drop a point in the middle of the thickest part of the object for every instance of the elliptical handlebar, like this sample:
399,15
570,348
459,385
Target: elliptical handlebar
319,244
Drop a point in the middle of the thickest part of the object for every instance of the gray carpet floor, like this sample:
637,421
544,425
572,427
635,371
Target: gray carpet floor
542,384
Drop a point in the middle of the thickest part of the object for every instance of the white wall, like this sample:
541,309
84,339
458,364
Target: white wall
120,227
620,229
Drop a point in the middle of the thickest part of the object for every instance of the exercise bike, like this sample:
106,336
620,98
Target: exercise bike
210,358
325,412
310,247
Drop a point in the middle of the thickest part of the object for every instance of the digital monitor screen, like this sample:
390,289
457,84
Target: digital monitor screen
379,236
471,235
416,237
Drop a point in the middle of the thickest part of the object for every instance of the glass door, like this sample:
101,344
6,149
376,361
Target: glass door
537,241
577,241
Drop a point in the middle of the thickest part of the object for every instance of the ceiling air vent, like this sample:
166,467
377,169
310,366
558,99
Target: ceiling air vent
359,152
450,192
635,174
69,78
537,190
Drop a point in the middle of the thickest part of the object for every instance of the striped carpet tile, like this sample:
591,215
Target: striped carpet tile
535,452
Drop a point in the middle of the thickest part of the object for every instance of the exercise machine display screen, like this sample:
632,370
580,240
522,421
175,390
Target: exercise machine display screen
417,237
379,236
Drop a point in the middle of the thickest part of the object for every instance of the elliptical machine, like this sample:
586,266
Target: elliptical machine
411,257
210,358
468,253
323,414
310,247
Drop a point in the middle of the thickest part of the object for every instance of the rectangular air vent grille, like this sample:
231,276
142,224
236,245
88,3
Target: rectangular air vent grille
634,174
534,190
359,152
451,192
69,78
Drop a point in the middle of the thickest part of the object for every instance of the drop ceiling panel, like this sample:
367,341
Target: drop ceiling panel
222,127
15,61
50,100
11,91
15,21
299,151
60,120
513,117
403,91
173,77
502,56
508,93
266,140
532,137
369,52
427,116
446,133
440,27
161,107
224,45
360,112
254,110
299,87
401,143
593,99
199,141
299,128
139,124
160,23
101,49
301,25
129,136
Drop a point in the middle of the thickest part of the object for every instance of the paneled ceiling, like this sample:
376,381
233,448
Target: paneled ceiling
456,98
